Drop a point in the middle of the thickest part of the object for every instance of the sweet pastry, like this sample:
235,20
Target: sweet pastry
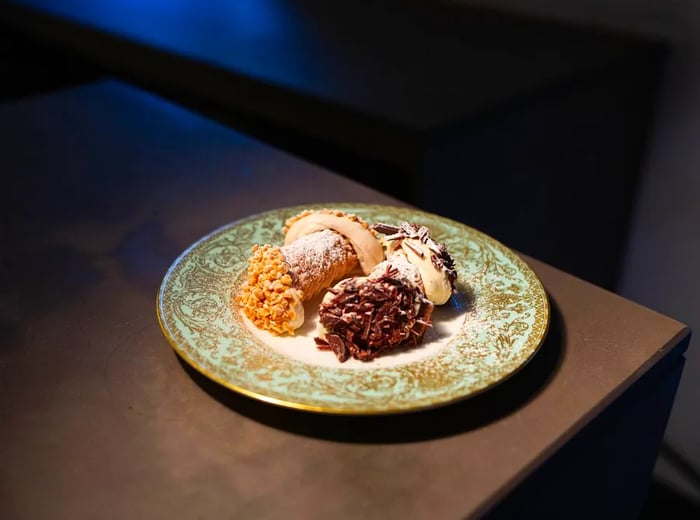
364,316
320,247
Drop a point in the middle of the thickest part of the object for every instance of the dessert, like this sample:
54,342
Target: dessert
320,247
364,316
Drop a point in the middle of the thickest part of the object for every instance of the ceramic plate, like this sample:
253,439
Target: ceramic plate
490,329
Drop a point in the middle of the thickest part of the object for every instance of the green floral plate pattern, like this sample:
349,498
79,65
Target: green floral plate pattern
505,321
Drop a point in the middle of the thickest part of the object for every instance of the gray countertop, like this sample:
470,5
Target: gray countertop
103,186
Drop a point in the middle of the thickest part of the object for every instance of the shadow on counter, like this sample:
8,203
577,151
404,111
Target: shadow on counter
663,501
475,412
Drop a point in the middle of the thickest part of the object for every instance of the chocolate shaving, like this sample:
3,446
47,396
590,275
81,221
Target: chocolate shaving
385,229
448,264
441,260
334,343
417,251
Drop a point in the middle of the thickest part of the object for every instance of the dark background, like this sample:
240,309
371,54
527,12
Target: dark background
32,67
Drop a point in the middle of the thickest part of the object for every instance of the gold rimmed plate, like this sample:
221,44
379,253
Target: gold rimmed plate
485,333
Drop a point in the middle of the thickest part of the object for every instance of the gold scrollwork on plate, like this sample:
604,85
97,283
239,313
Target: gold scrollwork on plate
506,315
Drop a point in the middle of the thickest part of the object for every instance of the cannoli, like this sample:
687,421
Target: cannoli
320,247
364,316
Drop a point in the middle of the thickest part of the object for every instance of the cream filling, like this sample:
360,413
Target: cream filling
436,285
298,309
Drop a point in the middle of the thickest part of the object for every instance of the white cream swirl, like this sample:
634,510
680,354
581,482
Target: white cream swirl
436,282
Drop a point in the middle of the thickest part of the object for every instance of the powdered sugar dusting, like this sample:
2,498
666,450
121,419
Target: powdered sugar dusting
319,259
